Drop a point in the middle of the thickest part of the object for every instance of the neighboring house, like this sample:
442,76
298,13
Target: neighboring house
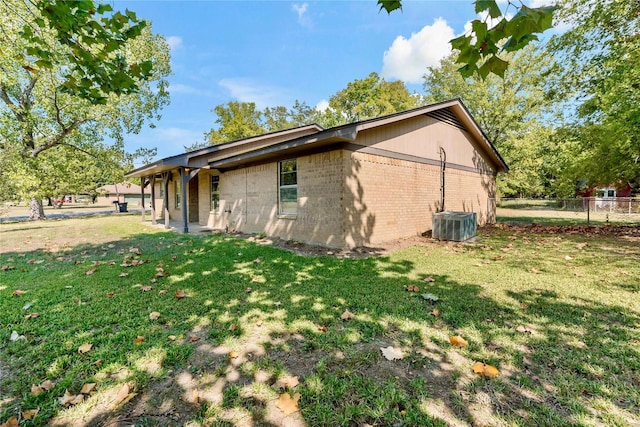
352,185
122,192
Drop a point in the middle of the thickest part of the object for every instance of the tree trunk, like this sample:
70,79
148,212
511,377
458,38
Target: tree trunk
36,210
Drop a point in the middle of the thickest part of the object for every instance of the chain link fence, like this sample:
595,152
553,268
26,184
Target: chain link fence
582,210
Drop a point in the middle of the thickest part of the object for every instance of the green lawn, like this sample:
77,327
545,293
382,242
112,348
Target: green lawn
558,315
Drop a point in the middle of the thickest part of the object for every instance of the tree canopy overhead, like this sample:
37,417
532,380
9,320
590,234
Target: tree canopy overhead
41,113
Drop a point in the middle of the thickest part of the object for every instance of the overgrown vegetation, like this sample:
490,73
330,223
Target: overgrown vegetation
558,315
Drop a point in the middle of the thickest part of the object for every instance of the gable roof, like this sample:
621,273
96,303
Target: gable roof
313,137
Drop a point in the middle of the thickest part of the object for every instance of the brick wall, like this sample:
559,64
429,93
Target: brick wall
386,198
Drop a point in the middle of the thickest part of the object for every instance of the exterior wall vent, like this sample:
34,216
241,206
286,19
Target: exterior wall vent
456,226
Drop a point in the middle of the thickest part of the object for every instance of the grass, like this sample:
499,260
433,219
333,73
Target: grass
559,316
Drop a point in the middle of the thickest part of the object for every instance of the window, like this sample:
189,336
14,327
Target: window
288,187
177,187
215,192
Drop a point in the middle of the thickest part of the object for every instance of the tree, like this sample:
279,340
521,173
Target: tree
478,50
511,110
371,97
236,120
601,78
92,37
38,116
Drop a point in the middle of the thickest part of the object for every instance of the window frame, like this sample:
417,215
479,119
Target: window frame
215,203
282,186
178,190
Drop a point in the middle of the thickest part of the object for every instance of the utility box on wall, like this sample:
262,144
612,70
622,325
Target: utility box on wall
456,226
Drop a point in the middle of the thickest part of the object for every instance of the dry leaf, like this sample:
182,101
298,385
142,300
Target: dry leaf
123,396
110,294
145,288
196,398
162,291
535,271
84,348
11,422
194,338
47,385
287,404
180,294
91,271
154,315
138,340
435,312
582,245
485,370
123,274
288,383
70,399
87,388
135,251
322,328
233,327
259,323
257,260
458,341
17,292
568,258
391,353
31,316
347,315
36,390
16,337
232,354
523,329
248,290
429,279
413,288
172,337
30,414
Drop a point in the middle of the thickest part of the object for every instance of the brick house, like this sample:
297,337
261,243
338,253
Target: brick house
353,185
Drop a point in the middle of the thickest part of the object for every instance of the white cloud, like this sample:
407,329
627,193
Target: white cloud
175,88
408,59
303,17
247,90
322,106
541,3
174,42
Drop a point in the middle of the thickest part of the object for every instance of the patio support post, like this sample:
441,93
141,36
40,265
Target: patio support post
184,180
142,196
165,185
154,221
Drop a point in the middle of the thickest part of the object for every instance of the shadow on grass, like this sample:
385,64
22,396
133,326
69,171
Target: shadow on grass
255,316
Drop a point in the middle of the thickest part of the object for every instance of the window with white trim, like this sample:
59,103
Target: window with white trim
215,192
288,187
178,195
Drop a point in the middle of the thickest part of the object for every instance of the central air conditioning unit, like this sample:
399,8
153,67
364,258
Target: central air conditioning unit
456,226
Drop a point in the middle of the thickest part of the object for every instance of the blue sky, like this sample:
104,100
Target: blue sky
274,52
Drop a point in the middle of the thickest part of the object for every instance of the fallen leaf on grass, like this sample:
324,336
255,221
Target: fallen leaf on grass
135,251
11,422
110,294
259,322
435,312
30,414
91,271
36,390
196,398
180,294
287,404
347,315
162,291
154,315
568,258
413,288
582,245
232,354
322,328
123,274
146,288
535,271
430,297
18,292
84,348
123,396
69,399
392,353
138,340
288,383
485,370
16,337
233,327
458,341
429,279
87,388
31,316
194,338
7,267
524,330
248,290
172,337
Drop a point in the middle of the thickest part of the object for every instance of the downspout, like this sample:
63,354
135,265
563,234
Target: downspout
443,163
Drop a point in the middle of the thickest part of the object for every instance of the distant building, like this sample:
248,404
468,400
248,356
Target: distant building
122,192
